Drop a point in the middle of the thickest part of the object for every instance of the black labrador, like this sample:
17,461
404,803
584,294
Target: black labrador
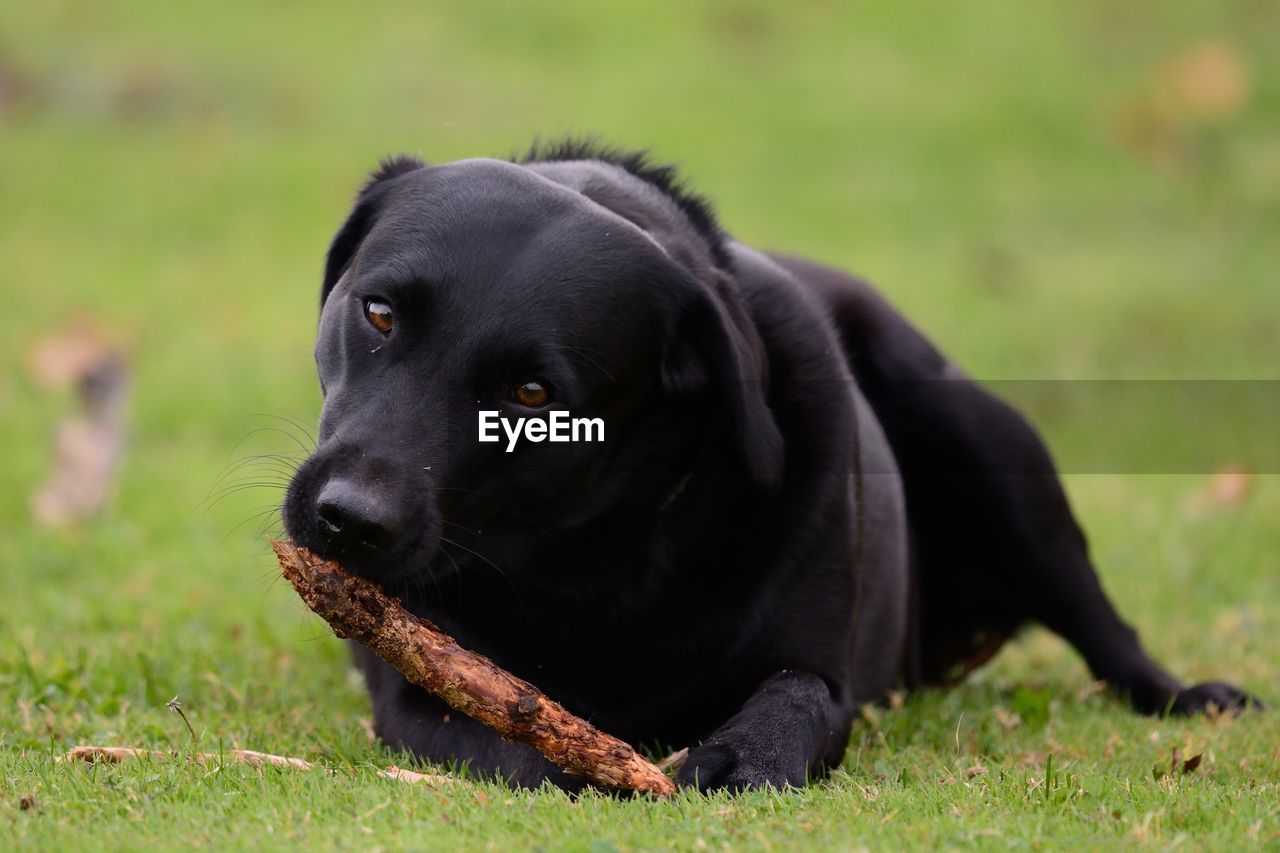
799,504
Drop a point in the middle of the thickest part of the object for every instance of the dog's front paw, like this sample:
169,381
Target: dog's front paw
728,763
1212,694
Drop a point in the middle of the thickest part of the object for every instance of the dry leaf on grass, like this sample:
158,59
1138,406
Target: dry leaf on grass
1178,766
1210,81
1169,119
1227,488
1230,486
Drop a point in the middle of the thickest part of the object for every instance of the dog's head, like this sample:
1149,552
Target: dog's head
484,286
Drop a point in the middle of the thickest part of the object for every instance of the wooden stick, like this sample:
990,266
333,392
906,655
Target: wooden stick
470,683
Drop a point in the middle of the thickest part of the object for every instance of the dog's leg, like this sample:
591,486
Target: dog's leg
407,717
996,541
789,730
1010,502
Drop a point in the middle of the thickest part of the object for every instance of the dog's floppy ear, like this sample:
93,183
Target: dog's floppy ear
361,219
715,349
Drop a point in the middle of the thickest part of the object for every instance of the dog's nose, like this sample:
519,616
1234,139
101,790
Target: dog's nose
356,519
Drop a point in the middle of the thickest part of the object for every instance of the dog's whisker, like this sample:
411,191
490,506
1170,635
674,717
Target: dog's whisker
272,429
269,466
250,482
300,427
250,475
290,463
435,581
482,558
272,471
263,516
227,491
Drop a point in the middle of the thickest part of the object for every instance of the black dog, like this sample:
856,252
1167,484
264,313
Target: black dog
799,503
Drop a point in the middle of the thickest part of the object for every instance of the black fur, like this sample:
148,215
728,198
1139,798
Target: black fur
359,221
800,503
638,163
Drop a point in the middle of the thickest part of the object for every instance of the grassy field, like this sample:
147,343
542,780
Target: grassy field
1053,190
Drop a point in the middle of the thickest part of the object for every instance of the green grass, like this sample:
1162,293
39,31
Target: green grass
1018,177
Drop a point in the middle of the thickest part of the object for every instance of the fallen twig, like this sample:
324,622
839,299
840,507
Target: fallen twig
115,754
470,683
673,762
413,777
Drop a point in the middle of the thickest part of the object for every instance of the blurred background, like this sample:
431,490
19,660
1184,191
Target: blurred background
1070,189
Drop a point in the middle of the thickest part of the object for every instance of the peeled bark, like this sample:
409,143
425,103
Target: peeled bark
470,683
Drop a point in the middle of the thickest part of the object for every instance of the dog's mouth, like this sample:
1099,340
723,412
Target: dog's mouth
389,566
364,524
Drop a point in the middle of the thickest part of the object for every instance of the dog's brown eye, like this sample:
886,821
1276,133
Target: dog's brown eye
532,394
379,314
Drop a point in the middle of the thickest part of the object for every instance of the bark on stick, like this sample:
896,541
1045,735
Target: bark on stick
472,684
